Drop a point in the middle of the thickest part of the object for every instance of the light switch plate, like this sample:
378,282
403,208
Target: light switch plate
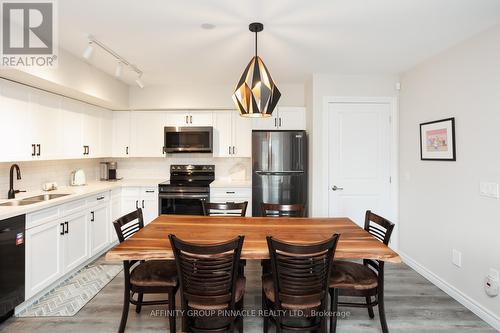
489,190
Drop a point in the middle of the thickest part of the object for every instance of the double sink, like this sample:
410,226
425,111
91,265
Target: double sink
33,200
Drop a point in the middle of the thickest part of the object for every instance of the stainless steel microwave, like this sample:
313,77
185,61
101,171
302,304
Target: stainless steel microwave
188,140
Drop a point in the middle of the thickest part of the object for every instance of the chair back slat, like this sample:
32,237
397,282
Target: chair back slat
129,224
301,272
282,210
225,208
208,272
379,227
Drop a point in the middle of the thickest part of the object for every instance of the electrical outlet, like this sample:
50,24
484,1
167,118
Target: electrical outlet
491,283
456,258
489,190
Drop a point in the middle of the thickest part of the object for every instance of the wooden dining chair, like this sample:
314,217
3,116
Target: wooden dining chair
225,209
362,280
209,281
282,210
299,282
145,277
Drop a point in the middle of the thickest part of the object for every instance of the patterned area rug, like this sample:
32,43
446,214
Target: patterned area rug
70,296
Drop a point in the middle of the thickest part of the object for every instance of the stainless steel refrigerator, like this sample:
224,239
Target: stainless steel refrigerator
279,168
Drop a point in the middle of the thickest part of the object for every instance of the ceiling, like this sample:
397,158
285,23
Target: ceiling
165,38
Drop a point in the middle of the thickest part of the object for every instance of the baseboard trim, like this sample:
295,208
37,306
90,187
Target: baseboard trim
483,313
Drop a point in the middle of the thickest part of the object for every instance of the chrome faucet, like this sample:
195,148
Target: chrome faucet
12,192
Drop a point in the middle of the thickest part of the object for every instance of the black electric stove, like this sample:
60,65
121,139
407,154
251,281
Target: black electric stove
188,187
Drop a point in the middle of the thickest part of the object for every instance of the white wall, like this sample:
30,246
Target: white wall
204,96
440,206
77,79
324,85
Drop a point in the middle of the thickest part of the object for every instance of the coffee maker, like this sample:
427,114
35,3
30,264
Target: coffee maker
108,171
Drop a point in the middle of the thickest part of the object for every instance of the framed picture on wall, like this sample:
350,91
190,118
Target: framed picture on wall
437,140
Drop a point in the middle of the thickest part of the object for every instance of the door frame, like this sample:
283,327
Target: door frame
393,150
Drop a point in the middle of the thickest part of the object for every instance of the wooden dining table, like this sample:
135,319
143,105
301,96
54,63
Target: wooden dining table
151,242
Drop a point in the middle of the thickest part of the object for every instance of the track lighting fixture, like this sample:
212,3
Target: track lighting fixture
88,50
122,62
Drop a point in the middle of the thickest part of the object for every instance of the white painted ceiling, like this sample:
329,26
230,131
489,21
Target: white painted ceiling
164,37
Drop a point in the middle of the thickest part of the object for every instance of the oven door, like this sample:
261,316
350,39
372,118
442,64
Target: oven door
182,204
188,139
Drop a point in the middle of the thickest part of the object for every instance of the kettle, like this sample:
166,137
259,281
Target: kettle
78,178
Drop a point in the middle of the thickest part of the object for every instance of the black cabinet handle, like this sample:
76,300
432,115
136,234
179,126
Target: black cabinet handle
137,204
187,121
100,198
230,192
33,152
191,119
88,150
234,150
126,150
67,227
150,191
279,122
62,228
142,204
38,147
92,218
275,122
229,150
84,150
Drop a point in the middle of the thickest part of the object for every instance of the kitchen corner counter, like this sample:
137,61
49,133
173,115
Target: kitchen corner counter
75,193
226,183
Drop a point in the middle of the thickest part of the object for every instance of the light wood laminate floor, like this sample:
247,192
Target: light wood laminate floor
412,303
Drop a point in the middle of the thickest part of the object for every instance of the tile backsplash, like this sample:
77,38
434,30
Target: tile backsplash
35,173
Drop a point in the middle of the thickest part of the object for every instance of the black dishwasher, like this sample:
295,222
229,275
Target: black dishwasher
12,243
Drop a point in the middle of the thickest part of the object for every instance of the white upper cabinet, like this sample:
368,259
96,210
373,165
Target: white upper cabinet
291,118
16,143
232,134
121,134
91,134
283,118
46,125
188,118
242,135
106,129
72,115
147,133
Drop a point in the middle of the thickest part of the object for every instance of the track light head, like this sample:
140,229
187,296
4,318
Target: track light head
139,81
119,69
88,51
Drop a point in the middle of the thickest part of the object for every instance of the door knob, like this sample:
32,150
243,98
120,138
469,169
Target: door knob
335,188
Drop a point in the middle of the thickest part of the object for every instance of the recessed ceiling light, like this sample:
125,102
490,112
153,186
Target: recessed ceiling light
208,26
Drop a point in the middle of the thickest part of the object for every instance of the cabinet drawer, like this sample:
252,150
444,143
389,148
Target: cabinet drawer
98,198
237,192
73,207
42,216
131,192
149,192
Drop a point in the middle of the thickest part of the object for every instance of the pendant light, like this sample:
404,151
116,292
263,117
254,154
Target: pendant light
256,95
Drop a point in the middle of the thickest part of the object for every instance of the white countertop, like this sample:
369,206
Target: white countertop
77,192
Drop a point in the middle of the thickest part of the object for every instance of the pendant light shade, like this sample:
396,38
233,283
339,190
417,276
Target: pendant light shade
256,94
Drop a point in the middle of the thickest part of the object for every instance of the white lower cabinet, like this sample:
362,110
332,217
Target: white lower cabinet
99,228
43,256
75,241
145,198
231,194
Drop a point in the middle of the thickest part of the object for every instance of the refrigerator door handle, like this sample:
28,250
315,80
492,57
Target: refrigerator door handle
278,173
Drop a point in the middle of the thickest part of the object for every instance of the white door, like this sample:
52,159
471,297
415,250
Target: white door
222,134
99,228
129,204
121,133
72,128
176,118
43,256
106,135
291,118
200,118
46,124
242,135
359,159
147,133
15,143
76,238
92,130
